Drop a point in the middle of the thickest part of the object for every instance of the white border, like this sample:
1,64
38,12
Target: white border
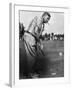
15,47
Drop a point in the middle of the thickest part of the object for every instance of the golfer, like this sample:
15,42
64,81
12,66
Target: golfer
32,40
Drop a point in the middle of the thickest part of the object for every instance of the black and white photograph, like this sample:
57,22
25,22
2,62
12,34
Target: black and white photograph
41,44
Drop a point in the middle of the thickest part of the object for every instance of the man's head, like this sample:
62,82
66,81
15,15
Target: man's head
46,17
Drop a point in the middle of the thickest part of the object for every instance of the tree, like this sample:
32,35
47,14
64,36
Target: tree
21,30
52,35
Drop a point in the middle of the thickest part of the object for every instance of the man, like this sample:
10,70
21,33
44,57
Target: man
32,41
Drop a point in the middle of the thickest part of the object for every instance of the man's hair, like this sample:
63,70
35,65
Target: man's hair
46,13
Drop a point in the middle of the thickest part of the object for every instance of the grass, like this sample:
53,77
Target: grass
54,61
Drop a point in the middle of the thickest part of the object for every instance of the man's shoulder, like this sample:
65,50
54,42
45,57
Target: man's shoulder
35,19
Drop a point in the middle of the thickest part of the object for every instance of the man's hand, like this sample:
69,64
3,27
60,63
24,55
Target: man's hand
41,46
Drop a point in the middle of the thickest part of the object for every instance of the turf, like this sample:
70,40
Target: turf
54,61
52,65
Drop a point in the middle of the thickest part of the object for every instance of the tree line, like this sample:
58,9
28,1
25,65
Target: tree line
52,36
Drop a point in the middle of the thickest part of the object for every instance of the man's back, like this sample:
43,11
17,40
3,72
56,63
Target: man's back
36,22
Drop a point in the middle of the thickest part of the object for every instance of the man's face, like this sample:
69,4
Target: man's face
46,19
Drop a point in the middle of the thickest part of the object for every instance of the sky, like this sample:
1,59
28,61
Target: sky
56,23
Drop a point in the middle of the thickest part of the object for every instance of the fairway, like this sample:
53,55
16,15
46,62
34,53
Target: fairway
54,53
52,65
